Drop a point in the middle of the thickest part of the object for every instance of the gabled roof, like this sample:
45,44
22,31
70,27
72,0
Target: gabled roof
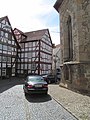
57,4
2,18
6,18
35,35
20,32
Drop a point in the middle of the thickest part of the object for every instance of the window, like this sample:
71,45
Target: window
26,59
15,49
6,35
9,42
22,49
33,43
9,53
3,26
14,65
29,66
4,59
6,27
25,66
12,42
18,71
26,49
21,71
4,47
21,66
2,33
3,65
22,55
0,46
13,59
4,40
9,48
0,58
8,59
22,60
3,21
18,66
33,54
9,36
3,72
70,42
12,49
26,44
12,38
33,66
0,25
29,55
9,65
26,55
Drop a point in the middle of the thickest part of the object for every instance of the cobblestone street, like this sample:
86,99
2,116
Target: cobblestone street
15,106
77,104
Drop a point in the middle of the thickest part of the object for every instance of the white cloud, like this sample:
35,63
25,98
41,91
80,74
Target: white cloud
29,15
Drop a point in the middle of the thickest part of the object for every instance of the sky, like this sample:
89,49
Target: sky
32,15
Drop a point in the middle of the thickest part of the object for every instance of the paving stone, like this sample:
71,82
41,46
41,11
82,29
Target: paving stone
78,104
15,106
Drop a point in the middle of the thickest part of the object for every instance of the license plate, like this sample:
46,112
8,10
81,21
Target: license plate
38,85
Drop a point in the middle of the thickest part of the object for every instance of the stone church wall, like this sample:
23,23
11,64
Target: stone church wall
76,73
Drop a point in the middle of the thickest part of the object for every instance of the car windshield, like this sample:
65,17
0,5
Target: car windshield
35,79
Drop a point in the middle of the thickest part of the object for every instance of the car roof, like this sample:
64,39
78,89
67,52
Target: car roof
34,76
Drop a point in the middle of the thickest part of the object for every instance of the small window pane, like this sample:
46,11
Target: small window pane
0,46
4,47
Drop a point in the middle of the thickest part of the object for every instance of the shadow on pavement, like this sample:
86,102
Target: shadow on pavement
37,98
9,83
84,92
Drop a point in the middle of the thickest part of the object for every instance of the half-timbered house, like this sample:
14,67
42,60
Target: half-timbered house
8,49
24,53
35,55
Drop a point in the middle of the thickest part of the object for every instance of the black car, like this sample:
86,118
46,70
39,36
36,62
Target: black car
44,76
49,78
35,84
